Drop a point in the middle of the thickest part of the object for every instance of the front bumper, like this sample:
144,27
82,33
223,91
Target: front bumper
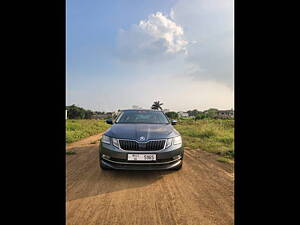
115,158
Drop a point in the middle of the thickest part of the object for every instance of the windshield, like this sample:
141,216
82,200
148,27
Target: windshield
142,116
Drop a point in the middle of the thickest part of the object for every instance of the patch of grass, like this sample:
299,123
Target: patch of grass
70,153
78,129
216,136
207,134
223,160
225,140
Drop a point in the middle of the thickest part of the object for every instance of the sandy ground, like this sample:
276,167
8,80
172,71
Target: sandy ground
202,192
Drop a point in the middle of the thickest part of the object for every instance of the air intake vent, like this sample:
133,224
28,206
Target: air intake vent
139,146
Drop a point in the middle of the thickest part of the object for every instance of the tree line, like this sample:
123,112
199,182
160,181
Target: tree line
76,112
197,115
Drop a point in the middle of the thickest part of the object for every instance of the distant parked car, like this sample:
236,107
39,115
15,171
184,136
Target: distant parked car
141,140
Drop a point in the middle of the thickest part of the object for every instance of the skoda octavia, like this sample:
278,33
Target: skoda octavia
141,140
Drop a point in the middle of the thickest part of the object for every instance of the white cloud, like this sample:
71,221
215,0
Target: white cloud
197,32
157,36
201,79
160,27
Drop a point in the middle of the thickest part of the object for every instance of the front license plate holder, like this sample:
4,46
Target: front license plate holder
141,157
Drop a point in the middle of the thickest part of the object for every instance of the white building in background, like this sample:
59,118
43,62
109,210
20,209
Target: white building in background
223,114
183,114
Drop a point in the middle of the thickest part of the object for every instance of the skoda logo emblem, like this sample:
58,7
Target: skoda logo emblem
142,138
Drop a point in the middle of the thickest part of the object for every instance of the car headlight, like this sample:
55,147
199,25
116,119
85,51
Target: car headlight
115,142
168,142
177,140
105,139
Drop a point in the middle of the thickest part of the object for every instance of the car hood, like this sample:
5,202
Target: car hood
148,131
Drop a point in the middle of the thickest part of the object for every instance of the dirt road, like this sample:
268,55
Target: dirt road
200,193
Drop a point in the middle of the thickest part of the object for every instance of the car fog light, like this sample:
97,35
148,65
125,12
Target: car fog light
105,156
177,157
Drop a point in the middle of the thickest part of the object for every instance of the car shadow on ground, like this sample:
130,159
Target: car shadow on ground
87,179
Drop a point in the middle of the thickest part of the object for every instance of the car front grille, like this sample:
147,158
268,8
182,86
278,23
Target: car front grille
154,145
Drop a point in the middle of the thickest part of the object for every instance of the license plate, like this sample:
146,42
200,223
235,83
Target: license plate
141,157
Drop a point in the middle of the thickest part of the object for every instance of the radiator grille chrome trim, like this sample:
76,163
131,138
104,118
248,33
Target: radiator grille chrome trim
137,148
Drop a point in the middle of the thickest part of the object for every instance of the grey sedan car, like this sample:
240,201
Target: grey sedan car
141,140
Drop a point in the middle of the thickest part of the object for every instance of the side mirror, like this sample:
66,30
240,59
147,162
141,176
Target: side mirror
173,122
109,121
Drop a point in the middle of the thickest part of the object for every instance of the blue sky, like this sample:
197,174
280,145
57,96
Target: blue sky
129,52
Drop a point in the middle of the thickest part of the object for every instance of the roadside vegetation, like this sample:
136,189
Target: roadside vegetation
78,129
211,135
224,160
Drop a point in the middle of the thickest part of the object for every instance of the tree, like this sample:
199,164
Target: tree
200,116
193,112
211,113
88,114
75,112
157,105
172,115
